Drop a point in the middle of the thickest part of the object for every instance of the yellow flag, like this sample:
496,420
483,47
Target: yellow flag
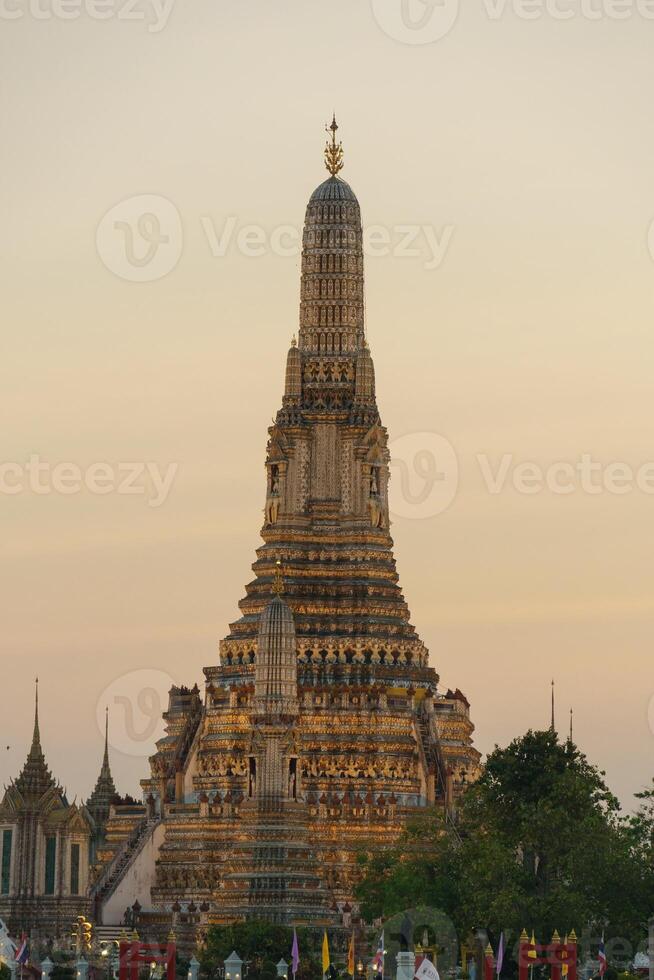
532,954
565,966
350,957
325,953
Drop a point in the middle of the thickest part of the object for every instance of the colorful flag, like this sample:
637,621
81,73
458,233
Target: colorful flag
23,951
378,959
532,954
565,966
325,954
295,954
500,955
350,957
601,955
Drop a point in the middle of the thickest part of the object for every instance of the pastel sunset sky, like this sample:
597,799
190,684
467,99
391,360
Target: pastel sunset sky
505,171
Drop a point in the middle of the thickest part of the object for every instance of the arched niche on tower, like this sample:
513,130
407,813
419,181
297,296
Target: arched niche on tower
276,473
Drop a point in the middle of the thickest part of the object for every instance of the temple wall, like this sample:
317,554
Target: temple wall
137,881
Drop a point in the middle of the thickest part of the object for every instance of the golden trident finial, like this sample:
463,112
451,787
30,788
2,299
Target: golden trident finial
333,150
278,583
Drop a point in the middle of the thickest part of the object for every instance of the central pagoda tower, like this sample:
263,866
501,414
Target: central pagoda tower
326,513
322,728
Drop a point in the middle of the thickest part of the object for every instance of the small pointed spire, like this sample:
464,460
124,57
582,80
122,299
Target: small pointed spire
105,762
333,150
36,737
35,779
100,799
552,725
571,717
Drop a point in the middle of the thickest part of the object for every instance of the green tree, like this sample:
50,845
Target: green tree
539,843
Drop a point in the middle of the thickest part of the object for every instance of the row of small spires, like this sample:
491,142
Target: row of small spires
570,940
191,907
556,938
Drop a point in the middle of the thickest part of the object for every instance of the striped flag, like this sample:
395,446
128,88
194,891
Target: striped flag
23,951
601,955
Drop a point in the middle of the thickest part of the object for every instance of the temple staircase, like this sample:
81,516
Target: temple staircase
122,861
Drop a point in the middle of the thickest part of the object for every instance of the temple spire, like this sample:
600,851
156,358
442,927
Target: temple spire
552,724
571,715
105,761
333,150
36,737
105,789
35,778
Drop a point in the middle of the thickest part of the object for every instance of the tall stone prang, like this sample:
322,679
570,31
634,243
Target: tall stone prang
323,721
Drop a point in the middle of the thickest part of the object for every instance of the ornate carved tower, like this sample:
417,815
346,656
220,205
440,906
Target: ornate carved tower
326,514
323,721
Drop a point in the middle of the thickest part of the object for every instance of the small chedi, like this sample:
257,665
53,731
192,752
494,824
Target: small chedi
322,728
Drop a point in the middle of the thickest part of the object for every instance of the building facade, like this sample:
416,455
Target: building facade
44,851
322,728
